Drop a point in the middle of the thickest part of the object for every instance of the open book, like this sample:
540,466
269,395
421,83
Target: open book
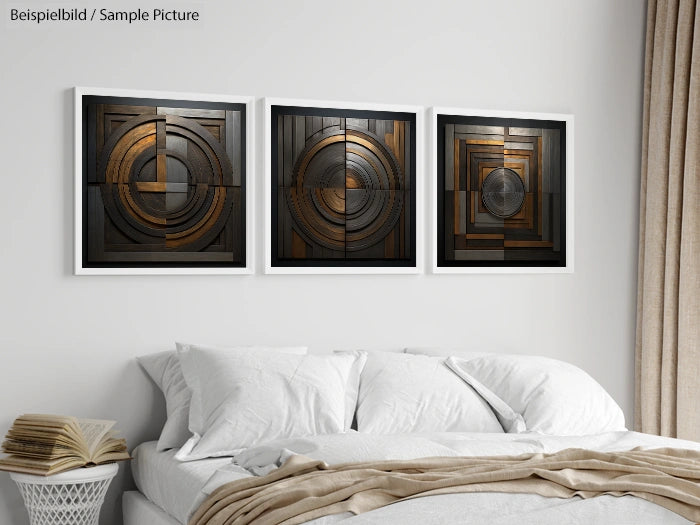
46,444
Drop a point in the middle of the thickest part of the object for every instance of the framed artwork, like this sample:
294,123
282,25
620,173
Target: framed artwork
342,187
502,192
163,183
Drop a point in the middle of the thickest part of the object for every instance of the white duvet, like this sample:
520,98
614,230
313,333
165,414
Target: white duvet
475,508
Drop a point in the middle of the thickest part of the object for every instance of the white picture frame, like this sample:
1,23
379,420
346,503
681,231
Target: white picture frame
249,101
568,119
419,112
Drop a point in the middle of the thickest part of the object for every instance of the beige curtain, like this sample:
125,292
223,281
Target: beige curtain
668,303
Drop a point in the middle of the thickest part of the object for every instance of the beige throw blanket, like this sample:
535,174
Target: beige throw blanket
303,489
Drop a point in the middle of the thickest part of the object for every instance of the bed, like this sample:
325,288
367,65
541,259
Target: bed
241,415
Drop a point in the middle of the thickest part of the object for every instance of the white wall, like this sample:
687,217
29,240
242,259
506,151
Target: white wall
68,342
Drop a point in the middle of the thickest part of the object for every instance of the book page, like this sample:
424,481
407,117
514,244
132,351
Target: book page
41,467
109,446
93,431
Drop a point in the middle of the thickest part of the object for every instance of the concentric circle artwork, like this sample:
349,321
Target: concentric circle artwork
347,212
343,189
503,193
177,193
164,183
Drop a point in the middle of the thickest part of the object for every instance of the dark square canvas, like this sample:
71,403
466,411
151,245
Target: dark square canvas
163,183
501,192
342,187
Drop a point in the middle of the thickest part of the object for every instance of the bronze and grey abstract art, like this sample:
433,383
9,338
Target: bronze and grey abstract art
342,187
163,183
501,192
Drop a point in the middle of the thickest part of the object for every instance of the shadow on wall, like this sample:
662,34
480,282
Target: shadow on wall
12,504
131,399
138,405
68,183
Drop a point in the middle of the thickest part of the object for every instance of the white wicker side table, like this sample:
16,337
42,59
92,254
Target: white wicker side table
73,497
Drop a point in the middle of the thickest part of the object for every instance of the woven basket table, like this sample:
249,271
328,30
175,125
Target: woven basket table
73,497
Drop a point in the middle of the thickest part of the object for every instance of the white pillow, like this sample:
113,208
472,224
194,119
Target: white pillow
241,398
440,351
402,393
551,396
165,371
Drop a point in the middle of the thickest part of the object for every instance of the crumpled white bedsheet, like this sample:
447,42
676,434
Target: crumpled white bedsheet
467,509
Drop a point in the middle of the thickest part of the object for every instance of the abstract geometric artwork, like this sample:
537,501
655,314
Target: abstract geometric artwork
163,183
501,191
342,187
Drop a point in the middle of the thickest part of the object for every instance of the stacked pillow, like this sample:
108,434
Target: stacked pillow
165,370
242,397
403,393
220,400
541,395
537,394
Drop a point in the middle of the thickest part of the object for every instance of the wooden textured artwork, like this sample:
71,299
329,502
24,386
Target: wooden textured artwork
501,187
342,188
164,183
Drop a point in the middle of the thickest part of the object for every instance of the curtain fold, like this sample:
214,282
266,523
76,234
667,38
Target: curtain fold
667,353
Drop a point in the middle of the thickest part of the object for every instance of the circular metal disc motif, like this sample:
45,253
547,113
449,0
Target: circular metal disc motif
184,201
503,193
343,194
